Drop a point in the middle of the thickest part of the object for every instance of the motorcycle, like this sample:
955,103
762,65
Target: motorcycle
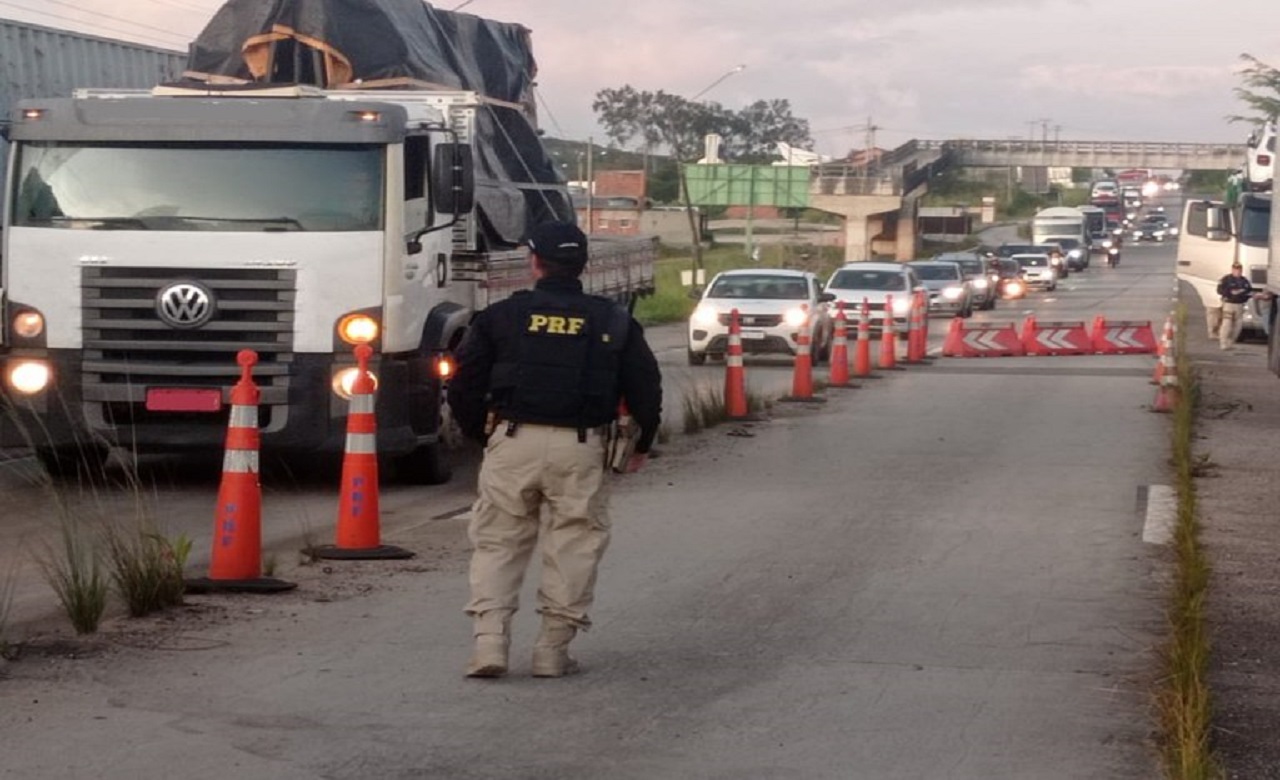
1113,257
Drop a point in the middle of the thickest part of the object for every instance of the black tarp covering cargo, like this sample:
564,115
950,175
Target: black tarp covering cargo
404,44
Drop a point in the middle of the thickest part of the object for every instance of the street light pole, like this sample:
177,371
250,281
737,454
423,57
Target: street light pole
694,229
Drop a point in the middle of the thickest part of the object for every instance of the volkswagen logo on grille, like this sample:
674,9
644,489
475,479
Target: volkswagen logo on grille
185,305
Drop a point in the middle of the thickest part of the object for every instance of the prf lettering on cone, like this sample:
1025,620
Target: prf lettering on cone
358,533
235,560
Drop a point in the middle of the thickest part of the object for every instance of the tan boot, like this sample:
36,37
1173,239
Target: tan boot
492,632
551,650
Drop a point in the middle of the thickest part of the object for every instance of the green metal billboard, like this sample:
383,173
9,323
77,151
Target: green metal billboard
784,186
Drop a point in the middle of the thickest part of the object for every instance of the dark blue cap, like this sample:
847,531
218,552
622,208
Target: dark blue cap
559,242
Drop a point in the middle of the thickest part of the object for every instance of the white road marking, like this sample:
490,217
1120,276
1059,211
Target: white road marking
1162,511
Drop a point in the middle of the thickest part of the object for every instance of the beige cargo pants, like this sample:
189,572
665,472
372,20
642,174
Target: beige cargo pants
539,468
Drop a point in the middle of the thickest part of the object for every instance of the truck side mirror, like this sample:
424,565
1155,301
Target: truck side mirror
453,179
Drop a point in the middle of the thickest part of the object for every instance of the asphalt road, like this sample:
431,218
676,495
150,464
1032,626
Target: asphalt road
941,574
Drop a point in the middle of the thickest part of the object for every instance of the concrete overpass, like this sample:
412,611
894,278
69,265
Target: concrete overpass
880,201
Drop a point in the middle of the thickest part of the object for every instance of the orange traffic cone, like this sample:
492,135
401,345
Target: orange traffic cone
1165,363
917,339
235,561
862,354
1166,394
735,379
802,376
838,375
358,532
953,346
889,337
1166,337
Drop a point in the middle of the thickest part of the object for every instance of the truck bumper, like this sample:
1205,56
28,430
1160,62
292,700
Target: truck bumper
307,418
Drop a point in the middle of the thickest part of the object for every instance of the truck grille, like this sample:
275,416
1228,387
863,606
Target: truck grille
128,348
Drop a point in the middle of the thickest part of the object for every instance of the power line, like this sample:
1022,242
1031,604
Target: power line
145,36
113,18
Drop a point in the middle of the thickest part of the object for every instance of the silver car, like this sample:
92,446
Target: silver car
950,290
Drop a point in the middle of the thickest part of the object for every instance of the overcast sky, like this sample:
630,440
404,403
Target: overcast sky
1072,69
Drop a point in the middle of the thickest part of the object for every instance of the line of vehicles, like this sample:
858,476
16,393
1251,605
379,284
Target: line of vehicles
777,306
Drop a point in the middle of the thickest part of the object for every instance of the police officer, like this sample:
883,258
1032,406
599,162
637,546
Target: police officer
539,379
1235,291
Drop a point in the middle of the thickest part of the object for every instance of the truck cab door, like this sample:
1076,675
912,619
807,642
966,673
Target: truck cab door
1206,246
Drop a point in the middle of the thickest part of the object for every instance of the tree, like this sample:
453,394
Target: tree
680,125
1261,91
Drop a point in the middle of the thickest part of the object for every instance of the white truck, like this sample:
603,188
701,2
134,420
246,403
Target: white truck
153,235
1062,222
1213,235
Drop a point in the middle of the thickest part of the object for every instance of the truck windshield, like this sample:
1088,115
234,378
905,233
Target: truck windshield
198,187
1255,223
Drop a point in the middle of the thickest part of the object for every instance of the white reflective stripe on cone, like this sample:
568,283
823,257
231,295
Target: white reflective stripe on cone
240,462
361,404
243,417
733,361
362,443
802,348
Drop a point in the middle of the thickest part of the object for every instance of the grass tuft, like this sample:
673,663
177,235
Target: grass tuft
1183,700
704,407
75,572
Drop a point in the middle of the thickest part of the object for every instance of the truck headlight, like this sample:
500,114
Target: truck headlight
345,379
29,377
358,329
796,318
28,324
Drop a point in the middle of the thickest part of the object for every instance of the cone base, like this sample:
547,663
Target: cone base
844,385
383,552
255,585
748,417
802,399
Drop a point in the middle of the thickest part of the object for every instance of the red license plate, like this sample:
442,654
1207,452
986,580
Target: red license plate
180,399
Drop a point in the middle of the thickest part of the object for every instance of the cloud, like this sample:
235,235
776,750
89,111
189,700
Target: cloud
1109,81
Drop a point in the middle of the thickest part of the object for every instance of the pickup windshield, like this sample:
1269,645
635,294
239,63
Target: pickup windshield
198,187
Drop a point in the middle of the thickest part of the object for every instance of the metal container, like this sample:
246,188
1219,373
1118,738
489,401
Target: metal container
38,61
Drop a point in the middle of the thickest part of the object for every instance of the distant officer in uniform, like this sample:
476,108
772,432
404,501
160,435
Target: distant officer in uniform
1235,291
539,379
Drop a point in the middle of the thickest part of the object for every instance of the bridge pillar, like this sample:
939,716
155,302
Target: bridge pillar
863,219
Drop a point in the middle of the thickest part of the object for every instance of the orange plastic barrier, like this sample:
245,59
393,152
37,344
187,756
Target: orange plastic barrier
1123,337
987,339
1055,338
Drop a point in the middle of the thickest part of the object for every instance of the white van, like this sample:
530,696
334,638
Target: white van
1260,158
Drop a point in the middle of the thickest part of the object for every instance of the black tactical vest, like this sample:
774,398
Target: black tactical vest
563,369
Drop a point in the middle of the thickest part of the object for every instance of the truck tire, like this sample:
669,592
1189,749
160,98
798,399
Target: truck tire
85,462
427,465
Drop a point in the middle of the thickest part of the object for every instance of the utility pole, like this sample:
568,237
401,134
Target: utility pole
1031,130
1057,131
1044,130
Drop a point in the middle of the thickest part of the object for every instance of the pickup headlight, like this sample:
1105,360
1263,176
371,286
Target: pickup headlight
705,315
902,306
1074,253
796,318
980,284
952,293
